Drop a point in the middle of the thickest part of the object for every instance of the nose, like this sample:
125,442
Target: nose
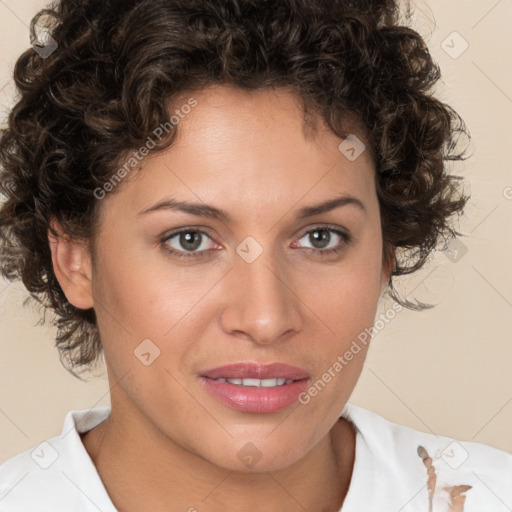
262,305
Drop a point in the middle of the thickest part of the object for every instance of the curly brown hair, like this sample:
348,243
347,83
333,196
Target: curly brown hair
119,64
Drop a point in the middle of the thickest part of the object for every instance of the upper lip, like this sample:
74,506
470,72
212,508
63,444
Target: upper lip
249,370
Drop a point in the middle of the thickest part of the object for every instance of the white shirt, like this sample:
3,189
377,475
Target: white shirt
388,475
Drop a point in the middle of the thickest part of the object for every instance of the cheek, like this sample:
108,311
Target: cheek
348,295
347,304
141,292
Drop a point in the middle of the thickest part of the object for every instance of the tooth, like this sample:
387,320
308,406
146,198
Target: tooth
265,383
252,382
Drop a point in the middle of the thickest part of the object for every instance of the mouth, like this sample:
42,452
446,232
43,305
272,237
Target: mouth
256,388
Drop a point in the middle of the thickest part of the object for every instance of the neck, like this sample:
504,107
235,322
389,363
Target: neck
157,474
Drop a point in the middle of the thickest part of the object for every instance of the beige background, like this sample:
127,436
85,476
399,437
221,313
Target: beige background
446,370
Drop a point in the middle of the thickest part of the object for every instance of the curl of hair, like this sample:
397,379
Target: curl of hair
119,64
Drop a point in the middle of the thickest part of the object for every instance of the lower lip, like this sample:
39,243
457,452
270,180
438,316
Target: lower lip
256,399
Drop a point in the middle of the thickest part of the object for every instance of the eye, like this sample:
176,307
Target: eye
326,240
187,243
193,243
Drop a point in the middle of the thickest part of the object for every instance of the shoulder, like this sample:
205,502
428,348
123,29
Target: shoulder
412,461
57,473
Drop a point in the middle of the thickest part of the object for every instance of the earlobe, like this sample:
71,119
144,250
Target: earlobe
72,266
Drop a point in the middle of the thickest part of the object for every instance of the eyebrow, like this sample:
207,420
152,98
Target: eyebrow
205,210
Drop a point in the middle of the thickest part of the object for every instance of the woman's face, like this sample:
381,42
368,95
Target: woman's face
270,280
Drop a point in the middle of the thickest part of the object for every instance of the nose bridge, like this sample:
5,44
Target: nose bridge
261,304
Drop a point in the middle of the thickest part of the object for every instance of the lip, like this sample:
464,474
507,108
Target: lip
256,399
248,370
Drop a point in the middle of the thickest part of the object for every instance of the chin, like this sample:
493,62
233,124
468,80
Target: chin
250,459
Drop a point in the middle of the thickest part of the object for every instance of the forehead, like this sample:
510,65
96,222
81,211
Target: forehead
278,113
249,149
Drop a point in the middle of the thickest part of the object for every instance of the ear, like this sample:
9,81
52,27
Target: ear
388,265
72,266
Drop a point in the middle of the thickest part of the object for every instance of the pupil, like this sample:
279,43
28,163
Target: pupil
316,237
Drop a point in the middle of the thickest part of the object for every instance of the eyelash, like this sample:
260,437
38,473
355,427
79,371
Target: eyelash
346,238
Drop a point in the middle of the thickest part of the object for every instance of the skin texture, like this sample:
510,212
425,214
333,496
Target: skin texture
168,443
